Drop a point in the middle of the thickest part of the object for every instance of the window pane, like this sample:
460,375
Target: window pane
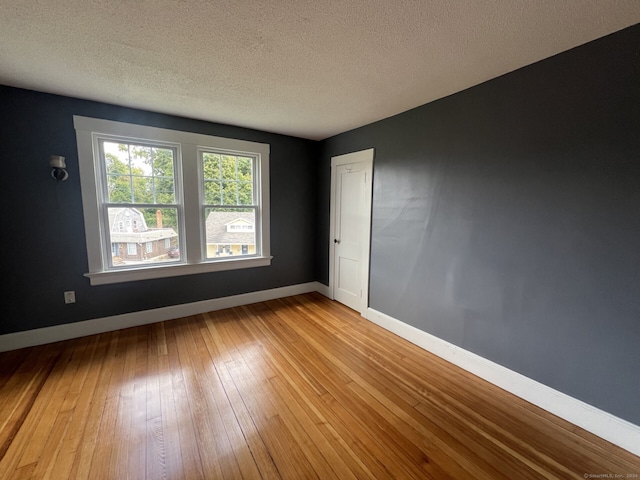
143,236
142,188
139,173
245,193
228,179
119,188
211,163
212,191
162,162
229,167
140,159
115,165
229,193
230,232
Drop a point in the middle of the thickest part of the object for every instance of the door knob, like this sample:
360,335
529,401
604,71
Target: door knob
335,240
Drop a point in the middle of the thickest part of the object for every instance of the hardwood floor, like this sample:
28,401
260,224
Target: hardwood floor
297,388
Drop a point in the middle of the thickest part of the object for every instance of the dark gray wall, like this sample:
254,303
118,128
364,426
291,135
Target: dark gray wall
506,220
43,241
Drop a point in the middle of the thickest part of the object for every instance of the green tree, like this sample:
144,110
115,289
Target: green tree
228,179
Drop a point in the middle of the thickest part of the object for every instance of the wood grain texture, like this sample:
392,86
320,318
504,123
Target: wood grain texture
296,388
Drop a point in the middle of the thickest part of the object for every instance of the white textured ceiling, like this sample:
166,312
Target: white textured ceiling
308,68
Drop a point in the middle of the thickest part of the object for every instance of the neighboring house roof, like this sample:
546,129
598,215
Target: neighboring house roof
126,214
143,237
218,233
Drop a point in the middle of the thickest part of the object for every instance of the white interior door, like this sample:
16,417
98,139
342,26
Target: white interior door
351,198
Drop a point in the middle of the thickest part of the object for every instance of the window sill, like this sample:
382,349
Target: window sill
164,271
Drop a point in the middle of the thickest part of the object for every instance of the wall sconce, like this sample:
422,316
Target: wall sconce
58,166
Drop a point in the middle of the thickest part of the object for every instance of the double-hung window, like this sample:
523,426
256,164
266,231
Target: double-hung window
160,203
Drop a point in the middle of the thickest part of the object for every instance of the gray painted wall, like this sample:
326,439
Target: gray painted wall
506,220
43,241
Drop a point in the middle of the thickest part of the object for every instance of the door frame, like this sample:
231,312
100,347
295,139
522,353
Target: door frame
363,157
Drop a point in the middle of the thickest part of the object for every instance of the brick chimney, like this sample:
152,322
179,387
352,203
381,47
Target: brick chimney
159,218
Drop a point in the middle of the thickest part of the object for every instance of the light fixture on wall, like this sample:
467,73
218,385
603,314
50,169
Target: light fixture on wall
58,168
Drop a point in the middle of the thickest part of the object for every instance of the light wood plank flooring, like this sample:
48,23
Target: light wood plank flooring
298,388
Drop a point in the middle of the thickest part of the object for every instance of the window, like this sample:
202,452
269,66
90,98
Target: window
183,195
229,201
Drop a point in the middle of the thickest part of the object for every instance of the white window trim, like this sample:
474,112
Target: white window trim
193,251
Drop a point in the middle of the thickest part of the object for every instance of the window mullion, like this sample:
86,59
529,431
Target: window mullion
131,188
193,213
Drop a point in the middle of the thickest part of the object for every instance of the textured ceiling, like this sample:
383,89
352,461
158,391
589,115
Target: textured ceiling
308,68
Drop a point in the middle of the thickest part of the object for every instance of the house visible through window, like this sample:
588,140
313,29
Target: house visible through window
187,197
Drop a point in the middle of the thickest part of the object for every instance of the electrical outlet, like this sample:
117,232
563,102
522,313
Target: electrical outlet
70,297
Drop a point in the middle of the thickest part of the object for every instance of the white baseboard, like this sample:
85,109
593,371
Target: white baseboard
40,336
324,290
609,427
